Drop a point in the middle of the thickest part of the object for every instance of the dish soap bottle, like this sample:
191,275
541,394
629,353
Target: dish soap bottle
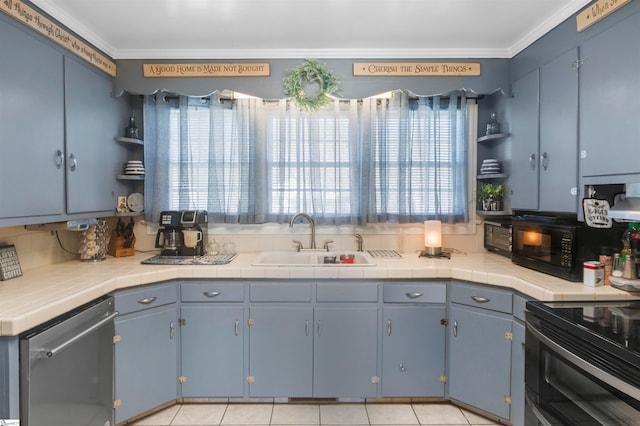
629,234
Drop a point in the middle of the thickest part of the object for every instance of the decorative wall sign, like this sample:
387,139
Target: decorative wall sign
9,263
597,11
416,69
206,70
41,24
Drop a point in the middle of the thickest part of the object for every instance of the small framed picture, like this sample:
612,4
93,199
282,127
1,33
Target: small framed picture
122,204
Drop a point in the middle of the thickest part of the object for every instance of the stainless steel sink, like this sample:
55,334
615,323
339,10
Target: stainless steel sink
315,258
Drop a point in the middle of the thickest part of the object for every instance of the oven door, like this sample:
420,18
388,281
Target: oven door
570,382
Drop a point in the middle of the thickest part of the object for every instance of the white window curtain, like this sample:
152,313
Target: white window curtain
398,159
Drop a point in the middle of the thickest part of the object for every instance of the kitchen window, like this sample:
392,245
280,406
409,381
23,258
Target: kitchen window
399,158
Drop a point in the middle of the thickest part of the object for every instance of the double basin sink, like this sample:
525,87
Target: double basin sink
316,258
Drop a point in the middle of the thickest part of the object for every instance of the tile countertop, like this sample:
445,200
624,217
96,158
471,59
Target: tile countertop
44,293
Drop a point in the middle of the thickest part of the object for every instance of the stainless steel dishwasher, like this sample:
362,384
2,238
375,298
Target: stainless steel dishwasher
66,369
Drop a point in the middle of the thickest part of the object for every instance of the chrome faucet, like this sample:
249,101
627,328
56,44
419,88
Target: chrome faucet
359,240
311,222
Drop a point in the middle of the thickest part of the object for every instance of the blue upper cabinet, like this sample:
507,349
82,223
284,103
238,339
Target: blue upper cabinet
558,165
32,123
525,112
92,118
609,103
544,135
58,120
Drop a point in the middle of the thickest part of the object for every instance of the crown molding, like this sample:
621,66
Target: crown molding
509,52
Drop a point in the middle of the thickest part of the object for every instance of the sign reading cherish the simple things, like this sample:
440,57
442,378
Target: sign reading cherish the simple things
206,70
416,69
41,24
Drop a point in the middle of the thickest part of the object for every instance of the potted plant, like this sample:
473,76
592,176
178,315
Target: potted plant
491,196
484,195
497,196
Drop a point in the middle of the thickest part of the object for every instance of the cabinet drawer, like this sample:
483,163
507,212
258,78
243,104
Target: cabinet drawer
280,292
212,291
519,304
481,297
415,292
138,299
347,292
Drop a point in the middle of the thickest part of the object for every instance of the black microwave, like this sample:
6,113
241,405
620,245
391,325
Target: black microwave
559,245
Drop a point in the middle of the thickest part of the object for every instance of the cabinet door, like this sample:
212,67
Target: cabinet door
146,373
559,134
517,374
345,351
480,360
32,123
413,351
212,351
524,139
92,118
280,351
609,78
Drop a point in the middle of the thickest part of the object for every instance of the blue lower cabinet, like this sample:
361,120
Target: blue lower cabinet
146,370
212,357
345,352
413,355
280,351
480,359
517,374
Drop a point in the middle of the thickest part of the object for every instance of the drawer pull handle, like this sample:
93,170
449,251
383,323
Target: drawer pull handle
171,330
389,328
414,295
319,328
306,328
480,299
237,330
147,300
455,329
212,293
402,367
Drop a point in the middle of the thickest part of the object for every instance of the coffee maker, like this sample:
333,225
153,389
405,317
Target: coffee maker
174,224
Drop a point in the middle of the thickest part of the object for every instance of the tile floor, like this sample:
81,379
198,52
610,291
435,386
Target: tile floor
313,414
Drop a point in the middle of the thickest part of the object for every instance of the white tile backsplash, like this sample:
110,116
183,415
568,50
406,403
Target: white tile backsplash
40,248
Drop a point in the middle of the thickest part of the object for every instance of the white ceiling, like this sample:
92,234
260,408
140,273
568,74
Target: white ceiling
250,29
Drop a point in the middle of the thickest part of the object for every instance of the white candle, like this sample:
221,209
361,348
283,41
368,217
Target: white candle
432,234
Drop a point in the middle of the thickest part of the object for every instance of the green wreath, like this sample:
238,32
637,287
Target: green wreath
308,72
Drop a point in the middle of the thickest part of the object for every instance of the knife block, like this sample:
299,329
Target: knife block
116,246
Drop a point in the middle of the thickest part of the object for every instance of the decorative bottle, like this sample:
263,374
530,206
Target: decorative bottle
131,131
493,126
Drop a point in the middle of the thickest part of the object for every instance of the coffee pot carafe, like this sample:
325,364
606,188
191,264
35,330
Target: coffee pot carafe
170,240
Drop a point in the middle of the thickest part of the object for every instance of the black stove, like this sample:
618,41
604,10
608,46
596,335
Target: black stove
612,324
582,363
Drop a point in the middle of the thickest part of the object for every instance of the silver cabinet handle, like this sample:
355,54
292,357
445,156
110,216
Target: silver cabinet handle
480,299
455,329
237,330
532,161
401,366
59,159
306,328
211,293
147,300
413,295
73,163
389,328
50,353
544,160
319,328
171,330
